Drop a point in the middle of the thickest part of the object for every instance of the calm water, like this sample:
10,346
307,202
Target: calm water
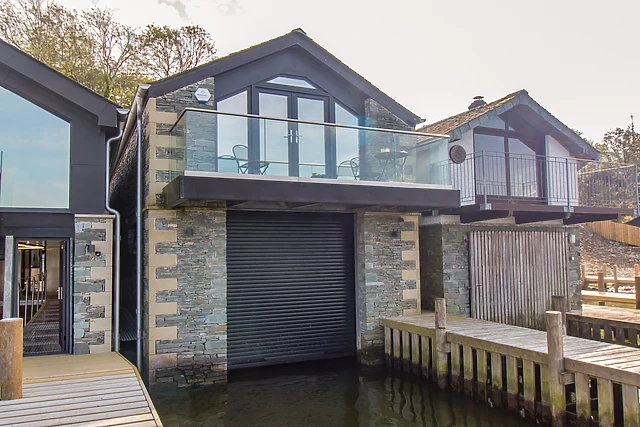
330,393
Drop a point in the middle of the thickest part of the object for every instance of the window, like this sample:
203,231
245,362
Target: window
34,155
232,130
291,81
347,155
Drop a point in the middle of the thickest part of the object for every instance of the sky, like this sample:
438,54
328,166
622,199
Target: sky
577,58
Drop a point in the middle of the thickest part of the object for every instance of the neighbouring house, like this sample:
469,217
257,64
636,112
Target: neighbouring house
280,206
525,180
56,249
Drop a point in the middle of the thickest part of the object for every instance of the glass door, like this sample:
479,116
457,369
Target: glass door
291,148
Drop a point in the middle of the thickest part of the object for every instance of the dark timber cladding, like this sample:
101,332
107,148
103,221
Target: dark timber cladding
291,287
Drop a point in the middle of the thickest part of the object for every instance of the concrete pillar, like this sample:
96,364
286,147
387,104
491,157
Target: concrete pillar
10,359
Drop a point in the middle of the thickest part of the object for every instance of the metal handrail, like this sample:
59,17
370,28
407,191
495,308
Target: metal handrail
307,122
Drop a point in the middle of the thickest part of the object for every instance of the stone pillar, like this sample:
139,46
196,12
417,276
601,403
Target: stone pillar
388,276
185,307
92,284
573,268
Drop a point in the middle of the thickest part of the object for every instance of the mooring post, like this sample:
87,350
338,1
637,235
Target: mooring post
637,279
10,359
601,287
555,355
559,303
442,358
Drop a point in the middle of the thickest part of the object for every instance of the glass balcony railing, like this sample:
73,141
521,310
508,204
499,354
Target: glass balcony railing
210,141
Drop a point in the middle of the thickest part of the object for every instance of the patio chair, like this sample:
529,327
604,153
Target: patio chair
241,154
354,164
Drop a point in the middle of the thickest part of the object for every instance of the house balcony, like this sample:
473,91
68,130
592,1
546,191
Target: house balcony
255,162
538,188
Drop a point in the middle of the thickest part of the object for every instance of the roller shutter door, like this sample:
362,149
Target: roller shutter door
290,287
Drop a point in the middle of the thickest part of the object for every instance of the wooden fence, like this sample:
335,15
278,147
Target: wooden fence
511,367
602,278
513,273
622,233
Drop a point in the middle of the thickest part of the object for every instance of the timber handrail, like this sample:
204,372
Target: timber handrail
539,372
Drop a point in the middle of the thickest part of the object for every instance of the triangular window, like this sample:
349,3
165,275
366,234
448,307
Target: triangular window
291,81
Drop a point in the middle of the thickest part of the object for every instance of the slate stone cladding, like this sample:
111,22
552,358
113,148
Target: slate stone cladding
178,100
387,276
92,285
200,297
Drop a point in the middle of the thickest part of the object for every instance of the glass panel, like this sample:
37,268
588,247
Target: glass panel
178,150
347,156
232,132
492,175
274,134
311,138
35,153
522,169
494,122
290,81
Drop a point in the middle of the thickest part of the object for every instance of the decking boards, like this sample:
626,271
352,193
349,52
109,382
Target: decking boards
80,390
599,359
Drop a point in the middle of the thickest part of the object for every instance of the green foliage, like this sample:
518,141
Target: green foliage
100,53
621,145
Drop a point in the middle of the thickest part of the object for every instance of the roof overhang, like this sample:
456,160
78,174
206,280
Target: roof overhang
254,191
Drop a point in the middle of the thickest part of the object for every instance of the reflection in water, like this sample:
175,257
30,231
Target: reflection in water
330,393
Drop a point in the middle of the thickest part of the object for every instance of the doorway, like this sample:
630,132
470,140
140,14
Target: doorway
293,148
43,295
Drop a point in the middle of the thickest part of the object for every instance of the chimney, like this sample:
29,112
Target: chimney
478,101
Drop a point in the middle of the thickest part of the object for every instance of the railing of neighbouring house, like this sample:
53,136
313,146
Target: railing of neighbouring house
558,181
32,299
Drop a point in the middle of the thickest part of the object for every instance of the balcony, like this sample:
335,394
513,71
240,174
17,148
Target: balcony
518,182
256,160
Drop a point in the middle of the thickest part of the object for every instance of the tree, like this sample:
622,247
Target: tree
621,145
100,53
167,51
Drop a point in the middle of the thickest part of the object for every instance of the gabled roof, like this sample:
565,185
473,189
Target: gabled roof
25,65
460,123
297,38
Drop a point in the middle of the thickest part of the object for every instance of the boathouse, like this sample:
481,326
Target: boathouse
525,181
56,236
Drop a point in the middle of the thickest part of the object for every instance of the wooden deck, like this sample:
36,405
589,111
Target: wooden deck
602,323
80,390
480,352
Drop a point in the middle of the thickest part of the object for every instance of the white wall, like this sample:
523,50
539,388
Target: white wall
557,174
463,175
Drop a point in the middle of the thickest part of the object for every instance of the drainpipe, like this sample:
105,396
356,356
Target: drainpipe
122,114
140,95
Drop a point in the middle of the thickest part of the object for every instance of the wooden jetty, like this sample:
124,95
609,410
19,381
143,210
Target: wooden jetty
609,324
512,367
92,390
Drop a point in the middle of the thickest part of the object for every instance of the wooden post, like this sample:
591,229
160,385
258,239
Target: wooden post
636,270
388,347
615,278
529,378
583,272
555,354
605,403
601,287
442,359
637,279
559,303
10,359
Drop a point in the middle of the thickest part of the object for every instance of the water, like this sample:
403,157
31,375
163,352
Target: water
329,393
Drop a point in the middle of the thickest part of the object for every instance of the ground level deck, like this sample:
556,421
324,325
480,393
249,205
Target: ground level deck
492,359
80,390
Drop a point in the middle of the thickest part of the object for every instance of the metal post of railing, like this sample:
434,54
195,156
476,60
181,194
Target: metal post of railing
637,206
484,178
568,186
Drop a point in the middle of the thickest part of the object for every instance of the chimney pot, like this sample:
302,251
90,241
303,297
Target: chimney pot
478,101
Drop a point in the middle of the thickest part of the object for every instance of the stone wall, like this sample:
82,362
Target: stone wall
388,278
444,259
186,304
92,285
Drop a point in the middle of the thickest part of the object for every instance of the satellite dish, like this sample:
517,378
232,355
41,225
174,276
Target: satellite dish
457,154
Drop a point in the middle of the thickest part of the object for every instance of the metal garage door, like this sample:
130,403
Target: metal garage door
291,293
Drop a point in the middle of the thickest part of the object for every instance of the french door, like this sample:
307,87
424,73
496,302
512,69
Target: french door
292,148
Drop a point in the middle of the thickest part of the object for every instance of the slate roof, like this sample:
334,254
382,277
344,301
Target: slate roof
298,38
460,123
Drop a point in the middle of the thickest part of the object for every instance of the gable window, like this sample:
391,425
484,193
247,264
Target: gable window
34,155
507,162
301,145
291,81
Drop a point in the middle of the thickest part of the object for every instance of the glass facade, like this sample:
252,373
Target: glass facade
34,155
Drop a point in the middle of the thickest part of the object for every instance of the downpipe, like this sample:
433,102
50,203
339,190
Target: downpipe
116,235
140,94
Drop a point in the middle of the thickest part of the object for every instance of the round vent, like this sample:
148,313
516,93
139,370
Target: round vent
457,154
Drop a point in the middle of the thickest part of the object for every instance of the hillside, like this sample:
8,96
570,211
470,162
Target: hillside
595,250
